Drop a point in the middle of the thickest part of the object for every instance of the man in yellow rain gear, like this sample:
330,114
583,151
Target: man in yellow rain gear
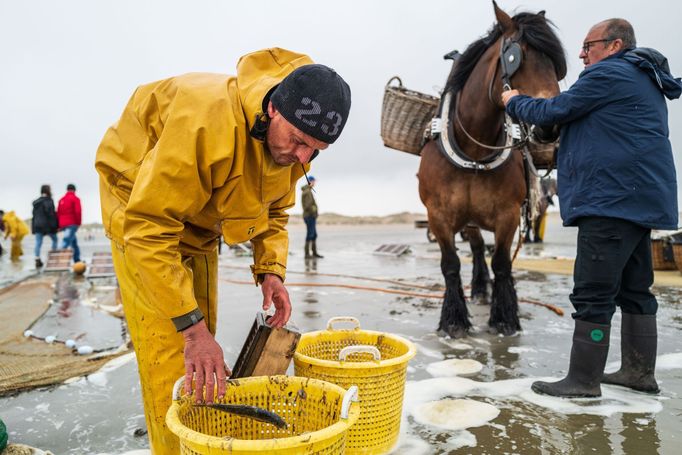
16,229
192,158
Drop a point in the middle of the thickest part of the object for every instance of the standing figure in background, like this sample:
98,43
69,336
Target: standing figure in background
549,189
69,216
310,218
44,221
16,229
2,228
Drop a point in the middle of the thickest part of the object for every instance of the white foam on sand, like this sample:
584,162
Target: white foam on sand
614,399
519,349
429,352
462,439
456,345
98,379
671,361
454,367
117,362
132,452
409,444
455,414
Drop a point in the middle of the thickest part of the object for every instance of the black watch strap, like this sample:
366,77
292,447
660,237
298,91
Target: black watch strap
187,320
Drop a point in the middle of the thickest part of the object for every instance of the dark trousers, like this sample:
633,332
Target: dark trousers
613,267
310,230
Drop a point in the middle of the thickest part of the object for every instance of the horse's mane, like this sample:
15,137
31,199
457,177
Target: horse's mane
534,30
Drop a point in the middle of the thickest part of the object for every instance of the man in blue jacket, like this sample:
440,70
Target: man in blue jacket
617,181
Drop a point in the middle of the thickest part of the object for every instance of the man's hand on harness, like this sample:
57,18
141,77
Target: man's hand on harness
509,94
275,292
204,362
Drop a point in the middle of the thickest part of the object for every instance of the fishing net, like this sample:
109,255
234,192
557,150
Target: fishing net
28,362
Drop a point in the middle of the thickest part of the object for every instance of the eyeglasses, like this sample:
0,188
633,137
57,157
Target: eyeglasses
588,44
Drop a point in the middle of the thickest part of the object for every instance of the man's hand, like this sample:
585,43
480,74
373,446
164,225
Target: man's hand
507,95
275,292
204,361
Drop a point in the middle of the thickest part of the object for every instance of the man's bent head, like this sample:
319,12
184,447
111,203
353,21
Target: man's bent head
308,111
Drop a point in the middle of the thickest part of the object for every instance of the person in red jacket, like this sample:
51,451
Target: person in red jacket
69,217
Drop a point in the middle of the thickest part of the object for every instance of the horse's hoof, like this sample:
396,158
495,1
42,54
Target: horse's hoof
454,332
504,329
480,299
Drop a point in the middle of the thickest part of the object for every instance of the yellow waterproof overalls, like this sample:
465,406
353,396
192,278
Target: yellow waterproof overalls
16,229
178,170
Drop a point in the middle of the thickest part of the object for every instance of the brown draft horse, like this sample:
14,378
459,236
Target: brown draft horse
524,53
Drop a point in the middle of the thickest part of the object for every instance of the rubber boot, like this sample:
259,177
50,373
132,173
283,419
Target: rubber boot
307,249
586,368
315,255
638,340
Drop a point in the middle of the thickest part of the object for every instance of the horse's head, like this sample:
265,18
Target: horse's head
532,61
531,54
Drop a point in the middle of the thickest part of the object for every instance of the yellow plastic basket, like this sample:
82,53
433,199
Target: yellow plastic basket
376,362
318,415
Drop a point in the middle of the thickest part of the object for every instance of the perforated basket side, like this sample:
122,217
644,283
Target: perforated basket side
381,383
662,259
677,251
311,409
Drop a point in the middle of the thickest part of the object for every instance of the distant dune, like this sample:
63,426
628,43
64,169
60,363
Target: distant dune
335,218
330,218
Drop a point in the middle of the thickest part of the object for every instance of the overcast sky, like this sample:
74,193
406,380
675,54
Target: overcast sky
69,66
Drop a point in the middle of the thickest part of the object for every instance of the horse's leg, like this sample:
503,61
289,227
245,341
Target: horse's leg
504,316
480,278
454,316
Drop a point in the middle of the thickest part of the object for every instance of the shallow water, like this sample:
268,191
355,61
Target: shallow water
100,413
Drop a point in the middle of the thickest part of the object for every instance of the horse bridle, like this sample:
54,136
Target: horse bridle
517,134
511,56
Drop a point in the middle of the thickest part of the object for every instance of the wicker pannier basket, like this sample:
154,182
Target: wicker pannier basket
404,117
677,251
662,254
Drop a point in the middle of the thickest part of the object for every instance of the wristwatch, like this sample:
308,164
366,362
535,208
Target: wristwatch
187,320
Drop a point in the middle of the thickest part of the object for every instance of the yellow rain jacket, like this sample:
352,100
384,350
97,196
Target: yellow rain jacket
180,168
14,226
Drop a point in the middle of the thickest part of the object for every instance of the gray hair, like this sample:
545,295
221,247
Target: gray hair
621,29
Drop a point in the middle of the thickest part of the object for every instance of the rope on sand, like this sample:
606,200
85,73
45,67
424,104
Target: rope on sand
354,277
549,306
348,286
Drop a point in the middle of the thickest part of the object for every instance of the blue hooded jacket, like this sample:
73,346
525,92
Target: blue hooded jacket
614,159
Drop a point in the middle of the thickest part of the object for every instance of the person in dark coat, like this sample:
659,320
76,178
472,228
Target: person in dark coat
310,218
617,182
44,221
537,229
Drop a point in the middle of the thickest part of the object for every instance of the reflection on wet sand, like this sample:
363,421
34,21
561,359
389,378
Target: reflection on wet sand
620,422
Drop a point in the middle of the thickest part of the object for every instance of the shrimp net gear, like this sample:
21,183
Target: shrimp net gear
29,362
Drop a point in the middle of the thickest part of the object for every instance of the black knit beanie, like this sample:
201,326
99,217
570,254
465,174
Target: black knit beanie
316,100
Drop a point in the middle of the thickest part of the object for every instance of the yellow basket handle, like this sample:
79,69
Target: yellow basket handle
336,319
359,348
351,395
178,387
394,78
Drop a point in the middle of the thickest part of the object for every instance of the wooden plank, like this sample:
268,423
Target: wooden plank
392,249
58,261
266,351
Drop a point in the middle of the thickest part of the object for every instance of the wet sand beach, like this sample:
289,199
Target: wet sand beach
102,413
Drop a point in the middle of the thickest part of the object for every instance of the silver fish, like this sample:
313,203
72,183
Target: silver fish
251,412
